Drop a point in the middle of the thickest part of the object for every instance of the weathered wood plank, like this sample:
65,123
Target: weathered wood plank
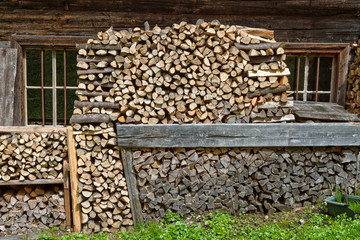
67,194
8,63
323,111
135,205
32,182
74,181
239,135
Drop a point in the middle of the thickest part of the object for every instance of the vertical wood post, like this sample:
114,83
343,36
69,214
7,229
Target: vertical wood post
67,194
74,181
130,177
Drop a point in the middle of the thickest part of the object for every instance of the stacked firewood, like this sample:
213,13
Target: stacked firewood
208,73
353,88
30,209
31,156
239,179
103,194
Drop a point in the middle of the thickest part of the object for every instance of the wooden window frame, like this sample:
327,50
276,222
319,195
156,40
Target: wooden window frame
340,51
20,42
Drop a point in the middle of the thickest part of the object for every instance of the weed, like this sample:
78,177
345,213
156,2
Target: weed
220,225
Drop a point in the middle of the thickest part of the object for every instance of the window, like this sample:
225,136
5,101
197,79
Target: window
48,78
318,71
50,83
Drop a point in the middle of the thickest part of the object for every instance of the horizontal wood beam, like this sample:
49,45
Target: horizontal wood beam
32,182
239,135
49,40
29,129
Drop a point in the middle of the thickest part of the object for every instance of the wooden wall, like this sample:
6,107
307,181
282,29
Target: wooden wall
7,80
300,20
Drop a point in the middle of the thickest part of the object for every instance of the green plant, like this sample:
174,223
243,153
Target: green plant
357,193
355,206
339,195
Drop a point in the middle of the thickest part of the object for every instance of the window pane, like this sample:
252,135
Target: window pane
325,73
60,106
312,74
33,67
302,71
59,67
48,107
322,97
48,68
70,95
34,106
71,67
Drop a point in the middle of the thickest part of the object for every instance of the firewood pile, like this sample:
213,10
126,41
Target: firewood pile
353,88
103,195
239,179
186,73
31,156
30,209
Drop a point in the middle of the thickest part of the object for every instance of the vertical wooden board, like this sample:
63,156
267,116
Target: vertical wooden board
343,70
8,61
74,181
130,177
67,194
19,86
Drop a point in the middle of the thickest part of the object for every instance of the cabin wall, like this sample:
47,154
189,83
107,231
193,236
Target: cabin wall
294,21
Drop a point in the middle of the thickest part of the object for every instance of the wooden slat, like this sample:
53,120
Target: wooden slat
74,181
135,205
8,64
32,182
239,135
269,73
29,129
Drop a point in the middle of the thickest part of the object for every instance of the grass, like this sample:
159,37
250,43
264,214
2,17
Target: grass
219,225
